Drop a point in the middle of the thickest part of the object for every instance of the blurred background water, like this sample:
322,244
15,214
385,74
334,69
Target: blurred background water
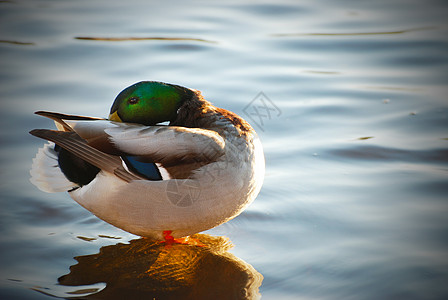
353,119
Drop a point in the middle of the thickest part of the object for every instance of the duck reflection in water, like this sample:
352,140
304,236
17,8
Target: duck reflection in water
144,269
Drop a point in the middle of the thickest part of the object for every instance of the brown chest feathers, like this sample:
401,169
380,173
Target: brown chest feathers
200,113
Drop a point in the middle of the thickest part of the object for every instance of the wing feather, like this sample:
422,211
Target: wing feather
169,145
59,118
76,145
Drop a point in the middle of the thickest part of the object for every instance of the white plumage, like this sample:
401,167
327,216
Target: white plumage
45,172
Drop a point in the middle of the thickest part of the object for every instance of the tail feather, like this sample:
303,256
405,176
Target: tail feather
46,174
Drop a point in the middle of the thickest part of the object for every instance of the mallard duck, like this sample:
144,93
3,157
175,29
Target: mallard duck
166,162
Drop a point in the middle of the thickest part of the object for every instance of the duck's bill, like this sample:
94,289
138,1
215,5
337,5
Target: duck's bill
114,117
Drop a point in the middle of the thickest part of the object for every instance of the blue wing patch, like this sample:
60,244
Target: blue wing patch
148,170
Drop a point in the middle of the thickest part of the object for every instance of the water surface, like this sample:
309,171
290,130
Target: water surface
354,123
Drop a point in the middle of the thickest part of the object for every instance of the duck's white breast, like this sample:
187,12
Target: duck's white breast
214,194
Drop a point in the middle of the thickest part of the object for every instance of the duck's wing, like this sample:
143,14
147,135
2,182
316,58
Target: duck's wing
169,145
59,118
72,142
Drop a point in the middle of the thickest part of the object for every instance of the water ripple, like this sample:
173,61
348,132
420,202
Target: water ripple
16,42
354,33
371,152
123,39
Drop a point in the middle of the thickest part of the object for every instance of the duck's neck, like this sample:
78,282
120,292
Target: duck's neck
193,112
200,113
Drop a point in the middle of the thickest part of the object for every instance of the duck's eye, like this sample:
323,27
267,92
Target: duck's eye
133,100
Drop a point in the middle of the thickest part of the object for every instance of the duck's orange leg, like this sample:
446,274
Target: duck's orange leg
170,240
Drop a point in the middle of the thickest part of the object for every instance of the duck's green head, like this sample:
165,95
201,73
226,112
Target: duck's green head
149,103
